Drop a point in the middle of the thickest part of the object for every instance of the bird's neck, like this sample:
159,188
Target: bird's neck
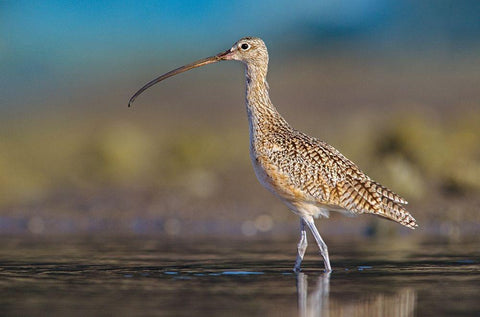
262,115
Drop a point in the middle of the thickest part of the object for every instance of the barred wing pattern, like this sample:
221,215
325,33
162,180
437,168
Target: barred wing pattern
328,178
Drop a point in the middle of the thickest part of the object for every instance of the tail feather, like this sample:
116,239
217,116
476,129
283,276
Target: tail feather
367,196
398,213
387,193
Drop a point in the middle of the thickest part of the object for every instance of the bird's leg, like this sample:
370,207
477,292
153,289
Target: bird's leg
321,244
302,246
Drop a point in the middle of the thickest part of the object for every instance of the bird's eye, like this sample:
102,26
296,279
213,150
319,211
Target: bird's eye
245,46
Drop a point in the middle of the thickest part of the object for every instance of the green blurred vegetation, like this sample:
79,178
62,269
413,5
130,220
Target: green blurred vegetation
426,161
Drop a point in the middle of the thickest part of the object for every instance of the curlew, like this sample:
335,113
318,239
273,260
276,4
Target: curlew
310,176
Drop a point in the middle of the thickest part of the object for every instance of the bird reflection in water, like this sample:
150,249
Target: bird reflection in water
319,303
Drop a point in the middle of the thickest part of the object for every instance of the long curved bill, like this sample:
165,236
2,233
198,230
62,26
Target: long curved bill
201,62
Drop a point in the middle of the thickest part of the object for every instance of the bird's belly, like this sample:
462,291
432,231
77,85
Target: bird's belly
270,176
263,177
298,201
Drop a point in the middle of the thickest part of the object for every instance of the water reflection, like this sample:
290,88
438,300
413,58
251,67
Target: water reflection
131,277
318,303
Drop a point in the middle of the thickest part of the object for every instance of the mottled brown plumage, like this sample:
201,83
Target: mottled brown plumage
308,175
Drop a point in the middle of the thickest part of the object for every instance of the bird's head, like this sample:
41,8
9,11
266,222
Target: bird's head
249,50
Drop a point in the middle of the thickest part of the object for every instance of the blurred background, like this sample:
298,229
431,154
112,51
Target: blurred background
394,85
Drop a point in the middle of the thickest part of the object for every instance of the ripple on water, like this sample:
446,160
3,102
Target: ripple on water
241,273
122,279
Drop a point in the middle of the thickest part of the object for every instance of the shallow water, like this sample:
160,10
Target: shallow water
158,276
